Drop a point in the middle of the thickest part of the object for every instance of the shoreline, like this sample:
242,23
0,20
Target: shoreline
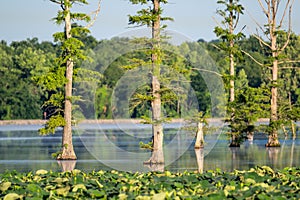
100,121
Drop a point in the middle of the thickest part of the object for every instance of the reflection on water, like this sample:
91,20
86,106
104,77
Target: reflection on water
200,159
67,165
155,167
21,148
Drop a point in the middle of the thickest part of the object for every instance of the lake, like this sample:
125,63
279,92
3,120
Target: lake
116,146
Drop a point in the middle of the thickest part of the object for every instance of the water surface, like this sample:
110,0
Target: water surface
111,146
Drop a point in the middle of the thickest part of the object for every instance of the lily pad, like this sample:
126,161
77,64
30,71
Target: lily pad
11,196
41,172
4,186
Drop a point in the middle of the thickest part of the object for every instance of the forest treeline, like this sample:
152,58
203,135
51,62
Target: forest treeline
23,63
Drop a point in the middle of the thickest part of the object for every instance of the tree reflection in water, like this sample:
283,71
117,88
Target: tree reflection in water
200,159
273,155
67,165
235,160
157,167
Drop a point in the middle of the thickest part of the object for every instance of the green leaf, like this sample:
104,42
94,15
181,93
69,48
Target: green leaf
96,193
178,185
34,188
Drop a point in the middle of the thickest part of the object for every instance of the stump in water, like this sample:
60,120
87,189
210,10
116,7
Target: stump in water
273,140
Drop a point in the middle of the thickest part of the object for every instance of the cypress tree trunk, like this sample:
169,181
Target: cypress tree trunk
292,121
231,75
234,138
67,144
234,142
273,135
157,129
199,136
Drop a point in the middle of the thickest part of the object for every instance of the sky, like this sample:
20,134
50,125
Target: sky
195,19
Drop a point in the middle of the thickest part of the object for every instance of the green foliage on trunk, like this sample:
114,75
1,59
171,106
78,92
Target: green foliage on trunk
70,49
227,31
250,104
152,57
229,38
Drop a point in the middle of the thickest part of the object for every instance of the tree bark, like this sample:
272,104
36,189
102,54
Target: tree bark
231,83
292,121
250,136
157,129
67,144
234,139
293,129
273,135
199,137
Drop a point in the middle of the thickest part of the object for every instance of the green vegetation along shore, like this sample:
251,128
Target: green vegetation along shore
256,183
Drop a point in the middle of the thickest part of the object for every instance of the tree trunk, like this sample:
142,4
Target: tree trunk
292,121
293,129
67,144
285,132
231,74
199,136
157,129
273,135
250,136
234,139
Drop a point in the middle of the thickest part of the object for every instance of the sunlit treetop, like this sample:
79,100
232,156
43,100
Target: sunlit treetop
147,16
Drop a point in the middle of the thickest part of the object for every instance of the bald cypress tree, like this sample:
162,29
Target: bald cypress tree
59,80
151,17
229,35
276,12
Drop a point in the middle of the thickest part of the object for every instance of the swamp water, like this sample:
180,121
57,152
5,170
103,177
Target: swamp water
111,146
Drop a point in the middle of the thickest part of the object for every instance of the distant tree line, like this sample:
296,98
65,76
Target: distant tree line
23,62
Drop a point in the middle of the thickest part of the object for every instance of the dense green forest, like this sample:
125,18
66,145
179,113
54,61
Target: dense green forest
23,63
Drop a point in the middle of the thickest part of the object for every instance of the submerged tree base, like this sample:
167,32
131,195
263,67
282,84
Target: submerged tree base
66,157
152,161
158,167
199,147
273,141
273,144
157,157
235,144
